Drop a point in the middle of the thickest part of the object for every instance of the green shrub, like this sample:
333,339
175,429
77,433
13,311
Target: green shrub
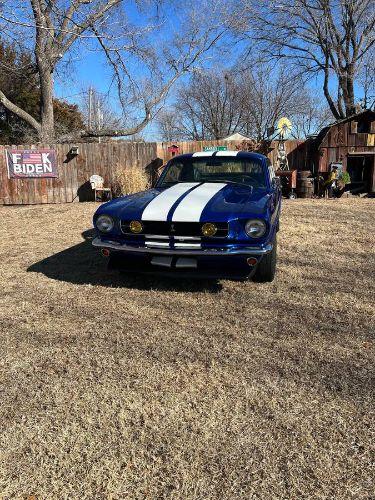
345,178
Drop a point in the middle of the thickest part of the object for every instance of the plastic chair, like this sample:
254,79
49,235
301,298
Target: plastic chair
97,185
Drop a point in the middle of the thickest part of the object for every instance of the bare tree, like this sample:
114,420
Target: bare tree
214,105
311,117
219,97
168,125
367,80
190,116
98,112
56,26
327,37
55,29
268,93
208,107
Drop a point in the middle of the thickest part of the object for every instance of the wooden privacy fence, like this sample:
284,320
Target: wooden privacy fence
72,183
296,150
105,159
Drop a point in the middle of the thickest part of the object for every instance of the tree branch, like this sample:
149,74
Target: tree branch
13,108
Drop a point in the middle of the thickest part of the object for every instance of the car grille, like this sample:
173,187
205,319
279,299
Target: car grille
165,228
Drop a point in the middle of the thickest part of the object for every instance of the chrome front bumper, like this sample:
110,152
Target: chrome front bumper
114,245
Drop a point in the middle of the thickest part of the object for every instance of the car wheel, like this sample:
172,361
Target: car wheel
266,269
292,196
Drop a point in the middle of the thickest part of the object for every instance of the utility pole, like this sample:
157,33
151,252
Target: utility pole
91,92
99,116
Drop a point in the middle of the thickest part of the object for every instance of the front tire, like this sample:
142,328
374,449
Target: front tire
266,269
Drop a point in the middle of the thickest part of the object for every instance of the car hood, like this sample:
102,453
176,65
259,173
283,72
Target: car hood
191,202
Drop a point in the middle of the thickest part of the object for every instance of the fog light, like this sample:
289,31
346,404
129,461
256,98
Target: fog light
252,261
209,229
105,252
136,227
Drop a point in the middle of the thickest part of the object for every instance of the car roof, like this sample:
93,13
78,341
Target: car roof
242,155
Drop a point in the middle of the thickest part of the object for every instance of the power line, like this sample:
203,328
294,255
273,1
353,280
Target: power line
72,95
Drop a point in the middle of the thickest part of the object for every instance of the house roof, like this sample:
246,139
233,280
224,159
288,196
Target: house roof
237,137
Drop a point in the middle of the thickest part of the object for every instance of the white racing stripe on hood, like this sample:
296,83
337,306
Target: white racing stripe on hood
158,208
191,207
203,154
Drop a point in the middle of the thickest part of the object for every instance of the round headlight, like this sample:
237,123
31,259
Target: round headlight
209,229
136,227
104,223
255,228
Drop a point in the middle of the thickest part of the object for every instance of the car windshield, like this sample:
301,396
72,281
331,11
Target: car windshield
248,172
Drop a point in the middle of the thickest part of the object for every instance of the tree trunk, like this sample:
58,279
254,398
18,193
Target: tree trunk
327,95
47,133
349,97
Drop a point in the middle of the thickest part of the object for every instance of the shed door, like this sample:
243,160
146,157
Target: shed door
361,171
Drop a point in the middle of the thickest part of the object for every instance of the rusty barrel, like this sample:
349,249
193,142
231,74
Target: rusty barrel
305,184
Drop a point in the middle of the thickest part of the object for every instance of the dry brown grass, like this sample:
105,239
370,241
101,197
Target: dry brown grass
129,180
146,388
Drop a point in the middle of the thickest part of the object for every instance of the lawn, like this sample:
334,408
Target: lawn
118,387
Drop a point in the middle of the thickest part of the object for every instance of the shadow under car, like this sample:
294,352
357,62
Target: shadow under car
82,264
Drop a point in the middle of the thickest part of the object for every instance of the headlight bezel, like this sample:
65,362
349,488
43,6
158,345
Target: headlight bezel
254,223
109,227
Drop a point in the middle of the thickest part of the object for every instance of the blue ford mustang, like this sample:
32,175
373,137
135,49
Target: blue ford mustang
211,214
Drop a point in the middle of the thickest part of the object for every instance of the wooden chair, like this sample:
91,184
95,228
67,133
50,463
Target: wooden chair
97,185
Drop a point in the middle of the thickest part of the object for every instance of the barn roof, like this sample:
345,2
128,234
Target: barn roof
368,112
